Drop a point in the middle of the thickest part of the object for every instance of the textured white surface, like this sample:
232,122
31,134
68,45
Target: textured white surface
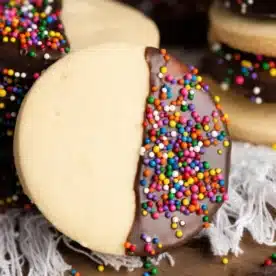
252,188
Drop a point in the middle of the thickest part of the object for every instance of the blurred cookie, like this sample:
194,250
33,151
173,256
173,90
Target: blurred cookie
251,75
253,36
248,122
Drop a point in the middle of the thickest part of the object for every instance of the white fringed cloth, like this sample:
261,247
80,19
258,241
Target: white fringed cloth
252,195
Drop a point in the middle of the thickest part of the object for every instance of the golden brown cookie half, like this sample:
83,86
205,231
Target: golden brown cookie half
250,35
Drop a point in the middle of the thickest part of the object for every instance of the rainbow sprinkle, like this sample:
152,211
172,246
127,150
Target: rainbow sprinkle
175,179
234,68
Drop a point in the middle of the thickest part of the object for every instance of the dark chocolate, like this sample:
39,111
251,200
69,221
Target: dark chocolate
31,39
253,76
155,228
260,9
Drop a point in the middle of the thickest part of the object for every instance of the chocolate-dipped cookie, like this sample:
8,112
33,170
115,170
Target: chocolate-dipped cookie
246,34
259,9
32,38
140,154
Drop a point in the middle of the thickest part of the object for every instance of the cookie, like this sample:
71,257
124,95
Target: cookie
252,36
253,76
33,38
260,9
248,122
133,161
93,22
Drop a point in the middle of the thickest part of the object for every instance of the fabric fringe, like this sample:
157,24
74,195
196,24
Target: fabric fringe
36,246
117,262
252,189
11,261
38,242
252,194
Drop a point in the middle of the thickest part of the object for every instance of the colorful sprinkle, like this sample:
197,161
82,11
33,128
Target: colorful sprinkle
176,181
242,70
225,261
268,262
100,268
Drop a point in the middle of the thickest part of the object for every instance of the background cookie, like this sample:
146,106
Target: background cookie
146,171
251,75
35,41
248,122
32,42
253,36
93,22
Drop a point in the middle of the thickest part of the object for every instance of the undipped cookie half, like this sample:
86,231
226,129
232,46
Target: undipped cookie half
122,149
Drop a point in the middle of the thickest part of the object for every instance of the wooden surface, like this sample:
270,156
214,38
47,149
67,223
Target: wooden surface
194,259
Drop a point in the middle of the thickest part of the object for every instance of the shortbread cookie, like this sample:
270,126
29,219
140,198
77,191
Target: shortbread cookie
32,38
35,39
248,122
259,9
123,150
93,22
253,36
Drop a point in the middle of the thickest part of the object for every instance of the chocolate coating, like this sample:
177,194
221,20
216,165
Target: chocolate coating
254,76
261,9
21,62
161,227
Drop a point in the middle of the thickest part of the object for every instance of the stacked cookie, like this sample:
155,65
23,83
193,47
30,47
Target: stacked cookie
242,66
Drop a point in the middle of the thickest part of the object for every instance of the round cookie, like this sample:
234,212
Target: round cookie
22,62
253,36
260,9
93,22
248,122
132,163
